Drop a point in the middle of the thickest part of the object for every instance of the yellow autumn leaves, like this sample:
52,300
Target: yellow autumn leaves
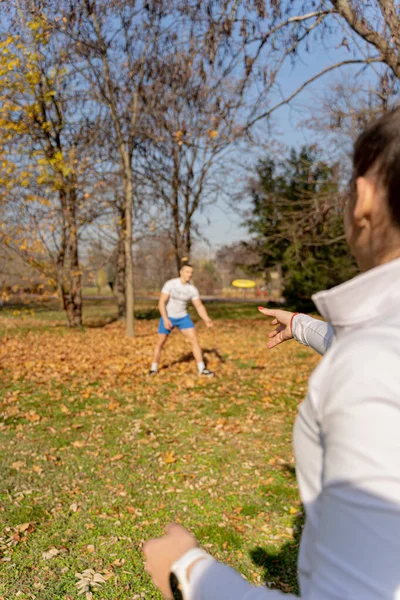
21,112
182,137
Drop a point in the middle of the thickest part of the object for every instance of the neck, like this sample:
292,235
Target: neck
383,249
388,256
183,280
378,260
390,250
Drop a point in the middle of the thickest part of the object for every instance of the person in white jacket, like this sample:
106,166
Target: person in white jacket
347,432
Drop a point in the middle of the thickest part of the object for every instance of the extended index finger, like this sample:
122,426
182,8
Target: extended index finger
268,312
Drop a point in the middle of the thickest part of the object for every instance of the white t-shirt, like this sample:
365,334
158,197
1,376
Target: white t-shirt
179,296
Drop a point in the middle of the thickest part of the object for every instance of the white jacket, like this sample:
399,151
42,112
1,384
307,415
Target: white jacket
347,448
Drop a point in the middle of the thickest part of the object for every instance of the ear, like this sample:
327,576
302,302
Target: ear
366,196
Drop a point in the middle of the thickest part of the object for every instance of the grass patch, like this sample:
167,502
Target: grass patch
95,457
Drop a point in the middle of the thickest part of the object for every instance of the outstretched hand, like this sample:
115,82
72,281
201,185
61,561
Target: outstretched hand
283,320
162,552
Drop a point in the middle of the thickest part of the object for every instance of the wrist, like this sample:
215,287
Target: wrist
192,565
291,322
186,568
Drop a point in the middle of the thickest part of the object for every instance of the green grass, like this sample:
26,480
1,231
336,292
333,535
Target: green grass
108,461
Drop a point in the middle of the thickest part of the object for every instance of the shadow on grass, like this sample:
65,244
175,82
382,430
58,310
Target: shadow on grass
186,358
39,308
280,567
147,314
99,322
103,321
289,469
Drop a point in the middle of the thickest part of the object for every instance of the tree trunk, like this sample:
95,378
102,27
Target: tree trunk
175,212
74,297
125,150
182,248
120,271
178,257
182,244
187,240
73,309
61,254
70,290
68,272
130,301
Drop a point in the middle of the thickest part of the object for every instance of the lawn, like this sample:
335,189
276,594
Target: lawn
96,457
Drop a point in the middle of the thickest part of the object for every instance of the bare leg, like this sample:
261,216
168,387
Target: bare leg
191,335
162,338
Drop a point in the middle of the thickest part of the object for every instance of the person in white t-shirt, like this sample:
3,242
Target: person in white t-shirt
347,431
174,298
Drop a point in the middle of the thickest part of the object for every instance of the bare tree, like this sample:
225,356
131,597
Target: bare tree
109,45
196,108
187,164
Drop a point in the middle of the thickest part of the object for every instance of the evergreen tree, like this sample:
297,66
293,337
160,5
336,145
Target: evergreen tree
297,223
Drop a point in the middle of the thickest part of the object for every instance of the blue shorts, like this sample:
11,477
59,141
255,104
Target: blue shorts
182,323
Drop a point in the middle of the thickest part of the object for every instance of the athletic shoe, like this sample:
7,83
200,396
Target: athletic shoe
207,373
151,372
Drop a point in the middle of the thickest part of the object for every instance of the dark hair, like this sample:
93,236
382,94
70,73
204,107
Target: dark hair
185,263
379,147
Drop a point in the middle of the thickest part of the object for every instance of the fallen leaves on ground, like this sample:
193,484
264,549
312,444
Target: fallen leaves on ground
88,580
106,357
100,452
51,553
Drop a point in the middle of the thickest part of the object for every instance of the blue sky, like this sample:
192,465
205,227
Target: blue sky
224,224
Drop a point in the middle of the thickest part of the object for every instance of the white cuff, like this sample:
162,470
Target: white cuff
180,567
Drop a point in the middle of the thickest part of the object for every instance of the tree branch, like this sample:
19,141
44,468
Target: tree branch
391,19
309,81
344,9
297,19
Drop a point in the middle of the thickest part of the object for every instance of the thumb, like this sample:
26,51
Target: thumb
171,527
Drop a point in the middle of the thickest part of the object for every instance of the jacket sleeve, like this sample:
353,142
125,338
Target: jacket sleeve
311,332
216,581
